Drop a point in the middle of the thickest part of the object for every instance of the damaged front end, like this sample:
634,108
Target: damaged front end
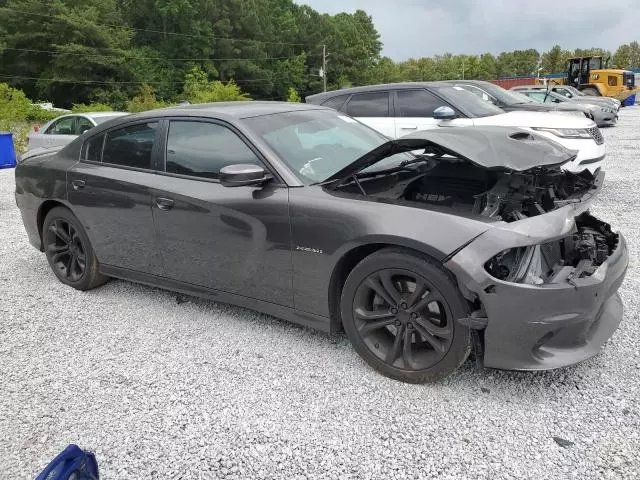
550,299
576,256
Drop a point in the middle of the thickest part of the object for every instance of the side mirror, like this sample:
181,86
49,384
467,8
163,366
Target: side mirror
242,175
444,113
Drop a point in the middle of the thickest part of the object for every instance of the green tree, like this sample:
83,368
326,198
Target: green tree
634,54
622,57
294,96
92,107
145,100
198,89
487,68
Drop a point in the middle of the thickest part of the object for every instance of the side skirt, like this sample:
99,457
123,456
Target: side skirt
305,319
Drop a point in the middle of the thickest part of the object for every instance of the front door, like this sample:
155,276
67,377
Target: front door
109,190
233,239
60,132
414,112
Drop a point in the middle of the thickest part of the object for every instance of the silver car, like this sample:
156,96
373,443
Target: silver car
62,130
603,115
574,94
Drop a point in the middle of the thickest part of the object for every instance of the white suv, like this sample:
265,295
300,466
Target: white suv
398,109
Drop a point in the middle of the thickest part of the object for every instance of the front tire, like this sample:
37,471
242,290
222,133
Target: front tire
69,251
399,310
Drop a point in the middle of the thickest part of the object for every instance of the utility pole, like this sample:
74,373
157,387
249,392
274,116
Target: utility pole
324,67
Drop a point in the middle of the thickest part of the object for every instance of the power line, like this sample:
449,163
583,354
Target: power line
135,57
189,35
118,82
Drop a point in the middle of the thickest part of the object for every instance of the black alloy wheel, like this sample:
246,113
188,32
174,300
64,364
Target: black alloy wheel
65,249
399,310
69,250
403,319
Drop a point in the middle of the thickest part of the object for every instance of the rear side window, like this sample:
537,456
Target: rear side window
369,105
335,102
130,146
417,103
93,149
201,149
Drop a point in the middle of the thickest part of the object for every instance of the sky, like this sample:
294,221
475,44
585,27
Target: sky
419,28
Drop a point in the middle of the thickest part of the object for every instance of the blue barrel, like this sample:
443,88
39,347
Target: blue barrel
7,152
629,101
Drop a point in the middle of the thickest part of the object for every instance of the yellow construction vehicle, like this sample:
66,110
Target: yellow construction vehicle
593,77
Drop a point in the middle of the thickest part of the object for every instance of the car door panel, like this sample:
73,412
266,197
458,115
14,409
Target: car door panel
61,132
112,199
114,206
414,111
233,239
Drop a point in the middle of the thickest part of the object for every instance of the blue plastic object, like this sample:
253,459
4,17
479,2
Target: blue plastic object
7,152
72,463
629,101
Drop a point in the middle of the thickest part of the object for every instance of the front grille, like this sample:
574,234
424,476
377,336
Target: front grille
597,136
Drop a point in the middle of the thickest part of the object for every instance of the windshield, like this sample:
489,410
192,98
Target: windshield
316,144
508,97
105,118
467,102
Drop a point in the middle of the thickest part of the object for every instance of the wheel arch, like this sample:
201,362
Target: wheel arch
354,255
44,208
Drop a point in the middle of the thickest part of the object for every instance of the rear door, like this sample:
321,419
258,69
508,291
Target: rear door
233,239
414,111
373,109
110,192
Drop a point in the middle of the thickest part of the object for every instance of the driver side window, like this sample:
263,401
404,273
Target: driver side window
63,126
202,149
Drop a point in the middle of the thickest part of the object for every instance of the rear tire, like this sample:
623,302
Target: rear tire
593,92
399,310
69,251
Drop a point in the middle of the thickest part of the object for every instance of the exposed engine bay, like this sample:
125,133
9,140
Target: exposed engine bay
448,183
507,196
564,260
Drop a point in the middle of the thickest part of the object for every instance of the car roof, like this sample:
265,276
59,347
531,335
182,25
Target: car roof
236,110
471,82
375,88
100,114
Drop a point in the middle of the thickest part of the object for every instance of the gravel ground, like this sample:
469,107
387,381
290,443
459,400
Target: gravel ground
163,388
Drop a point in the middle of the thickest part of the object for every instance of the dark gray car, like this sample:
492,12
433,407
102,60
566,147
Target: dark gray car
511,101
481,241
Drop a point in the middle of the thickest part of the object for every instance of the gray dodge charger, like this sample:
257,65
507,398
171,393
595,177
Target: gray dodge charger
422,249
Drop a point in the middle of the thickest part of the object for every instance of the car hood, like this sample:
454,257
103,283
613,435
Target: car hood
541,107
593,101
535,119
498,148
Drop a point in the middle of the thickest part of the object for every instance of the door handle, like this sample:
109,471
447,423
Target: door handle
409,128
164,203
78,184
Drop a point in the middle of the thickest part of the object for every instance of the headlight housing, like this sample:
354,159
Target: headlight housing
566,132
517,265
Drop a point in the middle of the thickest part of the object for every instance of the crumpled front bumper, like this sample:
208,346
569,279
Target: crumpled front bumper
541,327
